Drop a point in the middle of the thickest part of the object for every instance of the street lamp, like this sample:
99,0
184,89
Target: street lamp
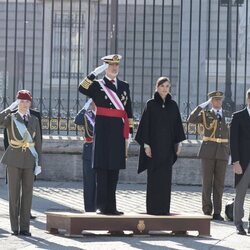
228,103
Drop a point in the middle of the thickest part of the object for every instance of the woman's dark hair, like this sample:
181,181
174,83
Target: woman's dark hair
161,80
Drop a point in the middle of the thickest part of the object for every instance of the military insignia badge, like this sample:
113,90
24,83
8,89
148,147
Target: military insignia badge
116,58
124,97
228,120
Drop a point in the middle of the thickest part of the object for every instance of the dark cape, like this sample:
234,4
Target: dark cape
161,128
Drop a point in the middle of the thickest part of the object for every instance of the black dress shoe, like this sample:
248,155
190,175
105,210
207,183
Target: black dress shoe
207,213
116,233
179,233
158,213
25,233
116,212
218,217
14,233
240,230
32,217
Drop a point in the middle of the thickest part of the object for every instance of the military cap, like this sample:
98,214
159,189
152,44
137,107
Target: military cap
112,59
24,95
216,94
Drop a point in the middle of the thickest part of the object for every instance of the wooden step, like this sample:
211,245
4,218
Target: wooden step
139,223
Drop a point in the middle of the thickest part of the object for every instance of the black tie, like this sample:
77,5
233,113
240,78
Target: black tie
25,119
218,115
113,82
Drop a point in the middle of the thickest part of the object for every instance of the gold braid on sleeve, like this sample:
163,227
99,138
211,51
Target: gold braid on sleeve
86,83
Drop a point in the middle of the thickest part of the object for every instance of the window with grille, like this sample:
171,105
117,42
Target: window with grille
68,45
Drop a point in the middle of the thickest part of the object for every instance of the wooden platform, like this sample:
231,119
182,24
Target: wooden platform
75,223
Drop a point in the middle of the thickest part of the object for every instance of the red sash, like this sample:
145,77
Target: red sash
115,113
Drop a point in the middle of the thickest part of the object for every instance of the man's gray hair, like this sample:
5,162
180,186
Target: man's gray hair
248,93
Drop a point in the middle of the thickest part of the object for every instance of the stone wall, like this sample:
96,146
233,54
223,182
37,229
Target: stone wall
62,161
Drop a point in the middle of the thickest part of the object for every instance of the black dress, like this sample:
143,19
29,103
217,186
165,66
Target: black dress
161,128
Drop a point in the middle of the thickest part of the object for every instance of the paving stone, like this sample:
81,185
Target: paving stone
68,196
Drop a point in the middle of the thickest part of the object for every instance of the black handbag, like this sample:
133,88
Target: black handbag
229,210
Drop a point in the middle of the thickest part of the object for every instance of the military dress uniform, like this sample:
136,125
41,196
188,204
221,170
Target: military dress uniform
20,164
32,112
6,140
214,154
109,135
86,118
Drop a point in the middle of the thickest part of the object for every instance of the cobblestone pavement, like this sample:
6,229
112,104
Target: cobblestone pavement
130,198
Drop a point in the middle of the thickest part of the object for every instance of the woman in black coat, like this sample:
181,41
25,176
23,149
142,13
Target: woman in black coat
159,134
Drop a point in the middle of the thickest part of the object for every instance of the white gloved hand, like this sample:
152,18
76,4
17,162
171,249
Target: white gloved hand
37,170
14,105
204,104
100,69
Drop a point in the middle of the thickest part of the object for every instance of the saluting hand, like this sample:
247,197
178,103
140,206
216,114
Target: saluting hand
237,168
100,69
14,105
204,104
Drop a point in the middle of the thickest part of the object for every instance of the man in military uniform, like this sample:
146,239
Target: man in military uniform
23,159
214,151
86,118
112,126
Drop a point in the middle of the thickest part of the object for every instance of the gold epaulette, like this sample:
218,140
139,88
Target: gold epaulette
86,83
131,122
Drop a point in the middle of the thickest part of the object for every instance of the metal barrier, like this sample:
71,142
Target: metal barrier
48,46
